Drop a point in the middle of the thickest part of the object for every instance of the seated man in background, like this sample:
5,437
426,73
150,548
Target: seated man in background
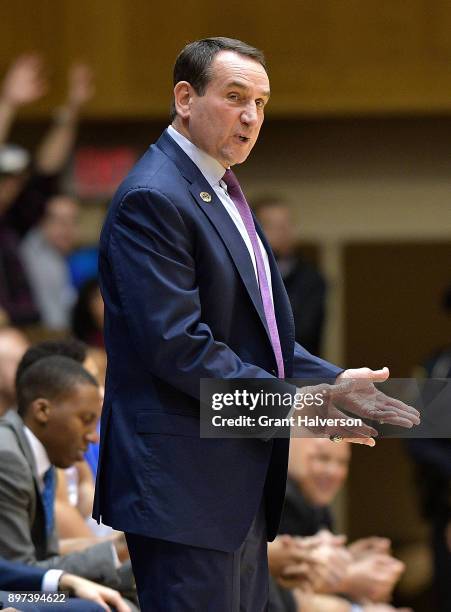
44,252
13,345
365,571
59,402
304,283
19,577
75,486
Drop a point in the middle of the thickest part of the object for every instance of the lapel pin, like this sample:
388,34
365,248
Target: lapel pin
206,197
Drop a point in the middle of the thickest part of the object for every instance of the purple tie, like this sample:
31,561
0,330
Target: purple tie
237,196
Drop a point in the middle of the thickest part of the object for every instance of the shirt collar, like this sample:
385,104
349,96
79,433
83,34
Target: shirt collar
39,453
210,167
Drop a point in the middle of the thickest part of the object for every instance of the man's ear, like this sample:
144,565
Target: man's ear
40,409
183,94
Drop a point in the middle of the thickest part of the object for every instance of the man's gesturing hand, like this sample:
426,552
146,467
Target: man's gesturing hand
354,392
368,402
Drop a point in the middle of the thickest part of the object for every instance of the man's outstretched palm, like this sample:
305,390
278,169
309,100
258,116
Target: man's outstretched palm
356,393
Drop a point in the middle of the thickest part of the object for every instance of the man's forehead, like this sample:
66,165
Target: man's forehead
240,70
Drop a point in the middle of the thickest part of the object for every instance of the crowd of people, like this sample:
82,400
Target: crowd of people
51,397
51,401
39,223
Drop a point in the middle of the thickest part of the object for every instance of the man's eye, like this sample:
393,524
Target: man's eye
233,96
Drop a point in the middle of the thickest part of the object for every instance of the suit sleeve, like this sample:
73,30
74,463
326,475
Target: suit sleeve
94,563
15,529
17,576
151,253
306,365
16,491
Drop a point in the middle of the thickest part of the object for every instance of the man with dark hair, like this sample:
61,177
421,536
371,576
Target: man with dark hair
59,403
75,349
192,291
69,347
194,62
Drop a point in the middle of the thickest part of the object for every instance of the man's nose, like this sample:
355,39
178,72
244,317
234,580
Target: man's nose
249,116
93,437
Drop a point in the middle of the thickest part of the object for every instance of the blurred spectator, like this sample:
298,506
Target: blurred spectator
87,316
44,254
13,345
432,457
305,285
60,404
25,187
317,470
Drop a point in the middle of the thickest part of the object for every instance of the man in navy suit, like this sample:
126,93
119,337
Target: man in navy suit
192,291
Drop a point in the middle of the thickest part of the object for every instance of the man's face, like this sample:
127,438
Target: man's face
70,425
226,120
277,224
320,468
60,223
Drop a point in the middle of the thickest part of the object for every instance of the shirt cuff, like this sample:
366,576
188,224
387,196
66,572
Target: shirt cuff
50,580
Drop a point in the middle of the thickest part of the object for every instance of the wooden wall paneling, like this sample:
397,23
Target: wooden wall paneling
325,56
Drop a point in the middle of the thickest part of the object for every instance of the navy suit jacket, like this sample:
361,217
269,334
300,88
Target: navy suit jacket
182,303
17,576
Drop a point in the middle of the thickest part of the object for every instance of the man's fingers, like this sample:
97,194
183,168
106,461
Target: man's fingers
348,431
102,603
379,375
395,405
296,569
366,441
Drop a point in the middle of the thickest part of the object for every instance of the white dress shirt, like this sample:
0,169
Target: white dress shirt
213,172
51,577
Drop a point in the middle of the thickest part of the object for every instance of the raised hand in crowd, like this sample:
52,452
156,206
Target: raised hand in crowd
58,143
80,85
24,82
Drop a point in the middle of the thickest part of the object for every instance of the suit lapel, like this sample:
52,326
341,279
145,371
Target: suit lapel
231,237
219,218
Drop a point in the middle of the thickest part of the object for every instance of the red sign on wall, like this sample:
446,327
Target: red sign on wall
98,171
